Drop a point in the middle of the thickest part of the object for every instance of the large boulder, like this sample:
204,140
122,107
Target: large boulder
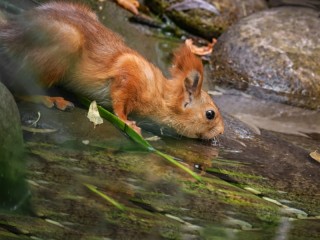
273,54
203,21
14,192
315,4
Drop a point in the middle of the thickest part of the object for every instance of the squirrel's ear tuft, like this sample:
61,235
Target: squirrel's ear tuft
188,68
184,62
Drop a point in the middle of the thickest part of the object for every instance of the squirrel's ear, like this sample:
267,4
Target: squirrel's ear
188,68
193,83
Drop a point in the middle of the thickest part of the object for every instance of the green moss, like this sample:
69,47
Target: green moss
196,25
268,214
233,174
158,6
226,162
170,231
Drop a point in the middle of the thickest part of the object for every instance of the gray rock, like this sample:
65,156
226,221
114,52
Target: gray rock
273,54
11,141
315,4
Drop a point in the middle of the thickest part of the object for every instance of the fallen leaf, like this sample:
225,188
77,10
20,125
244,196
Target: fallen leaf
252,190
154,138
192,4
34,124
315,155
201,51
130,5
38,130
295,212
93,114
273,201
215,93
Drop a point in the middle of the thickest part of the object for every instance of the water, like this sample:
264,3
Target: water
258,181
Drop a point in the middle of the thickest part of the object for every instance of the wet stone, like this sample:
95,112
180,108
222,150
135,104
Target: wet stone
209,20
273,54
14,191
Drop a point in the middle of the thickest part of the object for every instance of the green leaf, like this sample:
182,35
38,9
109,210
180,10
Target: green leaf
173,161
125,128
104,196
137,137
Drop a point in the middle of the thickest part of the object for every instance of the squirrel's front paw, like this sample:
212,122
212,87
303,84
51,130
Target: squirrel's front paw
49,102
58,102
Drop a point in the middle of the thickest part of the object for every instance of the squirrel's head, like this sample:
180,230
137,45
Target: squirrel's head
192,111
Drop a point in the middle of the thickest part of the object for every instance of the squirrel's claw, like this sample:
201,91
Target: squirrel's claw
134,126
130,5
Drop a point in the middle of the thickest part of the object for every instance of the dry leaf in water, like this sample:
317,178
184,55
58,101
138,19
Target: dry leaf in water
153,138
215,93
194,4
38,130
201,51
315,155
93,114
130,5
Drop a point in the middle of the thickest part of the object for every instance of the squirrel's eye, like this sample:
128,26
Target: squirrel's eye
210,114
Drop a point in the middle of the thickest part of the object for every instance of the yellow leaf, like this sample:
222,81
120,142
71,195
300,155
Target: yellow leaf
315,155
201,51
93,114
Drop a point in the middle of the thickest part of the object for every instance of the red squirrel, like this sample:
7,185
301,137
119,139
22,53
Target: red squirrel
65,44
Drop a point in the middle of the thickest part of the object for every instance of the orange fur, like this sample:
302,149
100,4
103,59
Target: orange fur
64,43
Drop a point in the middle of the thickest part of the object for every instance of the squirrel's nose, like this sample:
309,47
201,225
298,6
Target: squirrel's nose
220,128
